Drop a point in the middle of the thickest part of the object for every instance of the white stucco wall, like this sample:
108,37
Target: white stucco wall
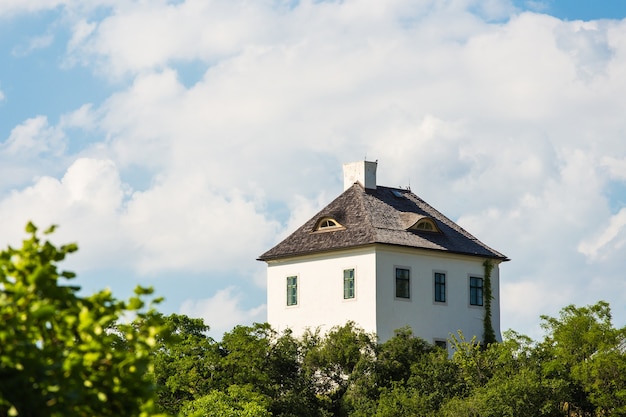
429,319
320,291
375,308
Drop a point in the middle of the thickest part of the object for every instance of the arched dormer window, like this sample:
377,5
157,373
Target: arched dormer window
327,224
420,223
426,225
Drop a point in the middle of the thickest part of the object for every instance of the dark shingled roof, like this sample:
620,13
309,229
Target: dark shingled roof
382,215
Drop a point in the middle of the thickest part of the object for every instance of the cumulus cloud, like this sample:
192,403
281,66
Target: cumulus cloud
182,223
586,43
33,148
616,167
223,311
172,226
513,128
140,36
85,202
609,240
34,137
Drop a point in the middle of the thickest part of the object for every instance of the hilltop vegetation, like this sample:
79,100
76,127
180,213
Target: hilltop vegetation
62,354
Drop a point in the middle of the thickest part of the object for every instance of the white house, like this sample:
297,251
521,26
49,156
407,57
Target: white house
383,258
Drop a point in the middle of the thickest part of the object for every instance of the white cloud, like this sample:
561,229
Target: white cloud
609,240
35,43
13,7
33,148
587,45
616,166
182,223
223,311
84,202
528,299
83,118
34,137
515,128
141,36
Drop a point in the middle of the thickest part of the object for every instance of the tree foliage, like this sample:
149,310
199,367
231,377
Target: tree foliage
576,370
185,362
235,401
60,353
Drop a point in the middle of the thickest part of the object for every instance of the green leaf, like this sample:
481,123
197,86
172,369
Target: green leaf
30,228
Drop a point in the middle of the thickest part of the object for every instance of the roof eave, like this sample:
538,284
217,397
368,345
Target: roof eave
311,252
500,258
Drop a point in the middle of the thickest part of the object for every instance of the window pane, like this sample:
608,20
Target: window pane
440,287
292,291
403,283
476,291
348,283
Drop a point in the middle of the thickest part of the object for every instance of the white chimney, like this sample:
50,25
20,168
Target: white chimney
363,172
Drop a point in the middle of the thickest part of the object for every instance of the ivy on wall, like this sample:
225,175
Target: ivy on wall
489,336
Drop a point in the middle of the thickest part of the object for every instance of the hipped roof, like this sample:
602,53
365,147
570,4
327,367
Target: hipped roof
379,216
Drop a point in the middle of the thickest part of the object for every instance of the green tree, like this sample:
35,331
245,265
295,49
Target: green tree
60,353
583,349
383,380
336,363
236,401
398,400
395,357
271,363
437,379
502,379
186,363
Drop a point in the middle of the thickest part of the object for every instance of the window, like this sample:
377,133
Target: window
292,291
476,291
426,225
441,344
327,224
440,287
420,223
348,283
403,283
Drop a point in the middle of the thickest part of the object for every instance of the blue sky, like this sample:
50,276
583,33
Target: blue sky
177,141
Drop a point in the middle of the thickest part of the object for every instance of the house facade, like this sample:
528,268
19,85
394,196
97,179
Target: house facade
384,259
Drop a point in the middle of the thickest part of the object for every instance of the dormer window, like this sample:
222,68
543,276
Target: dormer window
328,224
419,223
426,225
